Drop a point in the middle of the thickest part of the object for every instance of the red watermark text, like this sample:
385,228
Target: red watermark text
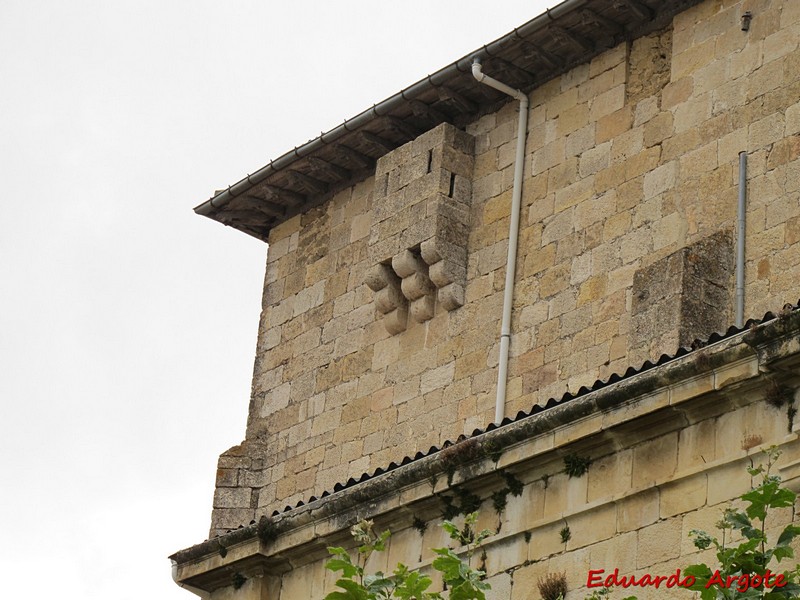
742,583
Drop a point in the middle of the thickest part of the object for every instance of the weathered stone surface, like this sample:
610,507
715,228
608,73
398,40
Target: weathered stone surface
650,58
628,196
685,295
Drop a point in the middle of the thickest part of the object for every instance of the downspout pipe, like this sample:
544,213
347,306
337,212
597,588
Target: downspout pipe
740,231
513,233
196,591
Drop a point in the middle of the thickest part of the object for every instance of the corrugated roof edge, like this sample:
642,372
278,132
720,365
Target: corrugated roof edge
244,532
464,64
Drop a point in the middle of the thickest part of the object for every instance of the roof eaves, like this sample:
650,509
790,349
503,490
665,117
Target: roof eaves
278,181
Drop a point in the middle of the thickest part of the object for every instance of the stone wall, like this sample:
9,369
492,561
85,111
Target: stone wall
632,511
630,159
669,450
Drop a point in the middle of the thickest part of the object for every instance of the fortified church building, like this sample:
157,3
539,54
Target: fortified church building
564,246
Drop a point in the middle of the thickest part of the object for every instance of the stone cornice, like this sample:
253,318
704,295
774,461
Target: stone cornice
703,384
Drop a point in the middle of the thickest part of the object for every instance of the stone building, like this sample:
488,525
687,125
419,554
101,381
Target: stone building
636,335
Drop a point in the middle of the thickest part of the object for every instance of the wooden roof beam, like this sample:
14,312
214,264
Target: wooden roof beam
547,57
328,169
262,205
241,216
637,8
580,42
381,144
282,194
514,70
593,18
362,160
461,102
403,128
427,111
312,184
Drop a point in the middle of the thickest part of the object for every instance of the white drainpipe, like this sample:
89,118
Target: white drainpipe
513,234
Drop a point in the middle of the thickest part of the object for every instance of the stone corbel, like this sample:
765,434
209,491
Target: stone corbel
416,285
389,299
447,270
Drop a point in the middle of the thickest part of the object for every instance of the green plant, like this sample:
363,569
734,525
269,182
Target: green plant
552,586
576,466
603,594
744,567
419,525
238,580
456,455
492,451
499,500
467,503
266,530
565,534
462,581
776,394
450,510
514,485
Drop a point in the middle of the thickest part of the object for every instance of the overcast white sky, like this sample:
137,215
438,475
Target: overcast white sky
127,323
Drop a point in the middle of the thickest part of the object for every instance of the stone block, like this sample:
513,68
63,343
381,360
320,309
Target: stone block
571,195
595,159
674,286
682,496
696,445
437,378
592,526
625,147
688,62
766,131
545,541
579,141
617,552
638,511
607,60
573,119
564,495
660,179
646,109
610,476
728,482
232,497
658,542
607,103
677,92
549,156
655,460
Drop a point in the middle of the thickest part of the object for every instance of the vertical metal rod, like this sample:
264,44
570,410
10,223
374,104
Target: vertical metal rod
740,231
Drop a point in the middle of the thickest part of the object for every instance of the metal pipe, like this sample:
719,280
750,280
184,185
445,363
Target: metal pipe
740,231
513,234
